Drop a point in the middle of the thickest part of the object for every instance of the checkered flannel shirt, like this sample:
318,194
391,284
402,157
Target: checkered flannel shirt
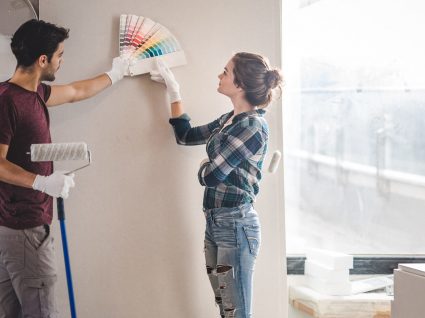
235,155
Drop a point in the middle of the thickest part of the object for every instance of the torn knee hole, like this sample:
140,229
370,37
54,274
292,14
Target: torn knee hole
223,268
209,270
229,312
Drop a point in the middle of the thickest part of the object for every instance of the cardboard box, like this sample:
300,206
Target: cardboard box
409,291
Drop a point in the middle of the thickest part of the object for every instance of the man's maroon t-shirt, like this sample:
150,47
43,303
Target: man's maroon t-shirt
24,120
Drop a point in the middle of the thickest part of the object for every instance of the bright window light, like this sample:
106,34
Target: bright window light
354,122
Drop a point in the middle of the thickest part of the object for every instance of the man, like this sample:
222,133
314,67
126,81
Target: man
27,266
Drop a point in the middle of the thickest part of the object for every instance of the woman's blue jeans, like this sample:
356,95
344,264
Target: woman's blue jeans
232,242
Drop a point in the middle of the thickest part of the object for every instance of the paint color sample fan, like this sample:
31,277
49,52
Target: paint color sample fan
143,40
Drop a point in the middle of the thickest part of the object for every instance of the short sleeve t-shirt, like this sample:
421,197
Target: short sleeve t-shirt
24,120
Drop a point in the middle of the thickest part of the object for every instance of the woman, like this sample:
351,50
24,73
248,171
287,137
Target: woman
236,144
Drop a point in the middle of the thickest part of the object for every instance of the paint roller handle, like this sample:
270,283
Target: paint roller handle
61,209
119,69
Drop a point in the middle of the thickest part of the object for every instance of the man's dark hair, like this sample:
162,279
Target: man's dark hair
35,38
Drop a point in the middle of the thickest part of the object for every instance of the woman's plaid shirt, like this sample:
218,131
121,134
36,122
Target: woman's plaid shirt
235,152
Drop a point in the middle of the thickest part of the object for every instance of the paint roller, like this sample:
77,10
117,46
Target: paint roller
274,162
63,152
273,165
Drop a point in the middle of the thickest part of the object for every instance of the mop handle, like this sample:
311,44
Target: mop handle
61,217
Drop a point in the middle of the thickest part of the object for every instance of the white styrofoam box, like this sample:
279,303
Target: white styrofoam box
409,291
373,283
329,288
326,273
332,259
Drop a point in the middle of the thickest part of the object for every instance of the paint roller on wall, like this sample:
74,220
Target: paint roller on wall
63,152
274,162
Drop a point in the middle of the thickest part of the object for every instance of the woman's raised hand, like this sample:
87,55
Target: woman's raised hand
165,76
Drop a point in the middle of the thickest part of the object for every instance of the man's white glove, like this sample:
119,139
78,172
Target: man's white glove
165,76
56,185
119,68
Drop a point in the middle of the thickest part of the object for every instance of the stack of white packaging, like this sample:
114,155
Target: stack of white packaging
328,272
409,291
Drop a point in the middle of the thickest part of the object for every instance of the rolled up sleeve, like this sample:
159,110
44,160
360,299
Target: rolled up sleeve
189,136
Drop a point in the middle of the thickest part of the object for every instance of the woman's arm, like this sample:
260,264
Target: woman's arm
177,109
185,134
190,136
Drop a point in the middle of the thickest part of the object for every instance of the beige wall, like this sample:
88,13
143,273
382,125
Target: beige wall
135,223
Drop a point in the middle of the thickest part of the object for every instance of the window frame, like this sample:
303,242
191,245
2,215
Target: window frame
363,264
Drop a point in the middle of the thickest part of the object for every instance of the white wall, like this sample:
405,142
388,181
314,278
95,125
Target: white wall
135,221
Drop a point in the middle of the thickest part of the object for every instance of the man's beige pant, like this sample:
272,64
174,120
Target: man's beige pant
27,273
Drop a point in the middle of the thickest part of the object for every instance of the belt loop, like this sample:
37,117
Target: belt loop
242,211
245,209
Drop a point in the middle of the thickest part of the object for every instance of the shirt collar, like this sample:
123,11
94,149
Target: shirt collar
255,112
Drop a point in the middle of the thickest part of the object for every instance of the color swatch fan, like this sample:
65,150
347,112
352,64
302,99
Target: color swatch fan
143,40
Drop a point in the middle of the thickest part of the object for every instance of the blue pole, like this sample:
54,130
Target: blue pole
61,217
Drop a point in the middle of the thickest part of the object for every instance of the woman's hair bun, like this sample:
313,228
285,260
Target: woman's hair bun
273,78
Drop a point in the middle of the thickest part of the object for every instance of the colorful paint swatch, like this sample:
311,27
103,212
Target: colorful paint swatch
143,40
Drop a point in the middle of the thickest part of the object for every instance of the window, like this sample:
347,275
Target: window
354,126
7,60
12,14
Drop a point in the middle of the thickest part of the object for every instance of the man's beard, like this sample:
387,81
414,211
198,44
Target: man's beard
48,77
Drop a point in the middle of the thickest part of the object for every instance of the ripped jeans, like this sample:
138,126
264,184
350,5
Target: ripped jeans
232,242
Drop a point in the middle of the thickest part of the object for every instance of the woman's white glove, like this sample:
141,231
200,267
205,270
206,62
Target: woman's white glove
118,70
56,185
165,76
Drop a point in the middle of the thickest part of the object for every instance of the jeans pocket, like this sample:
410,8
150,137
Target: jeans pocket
253,236
224,232
38,295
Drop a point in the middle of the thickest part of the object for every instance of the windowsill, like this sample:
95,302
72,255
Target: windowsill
388,181
314,304
363,265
